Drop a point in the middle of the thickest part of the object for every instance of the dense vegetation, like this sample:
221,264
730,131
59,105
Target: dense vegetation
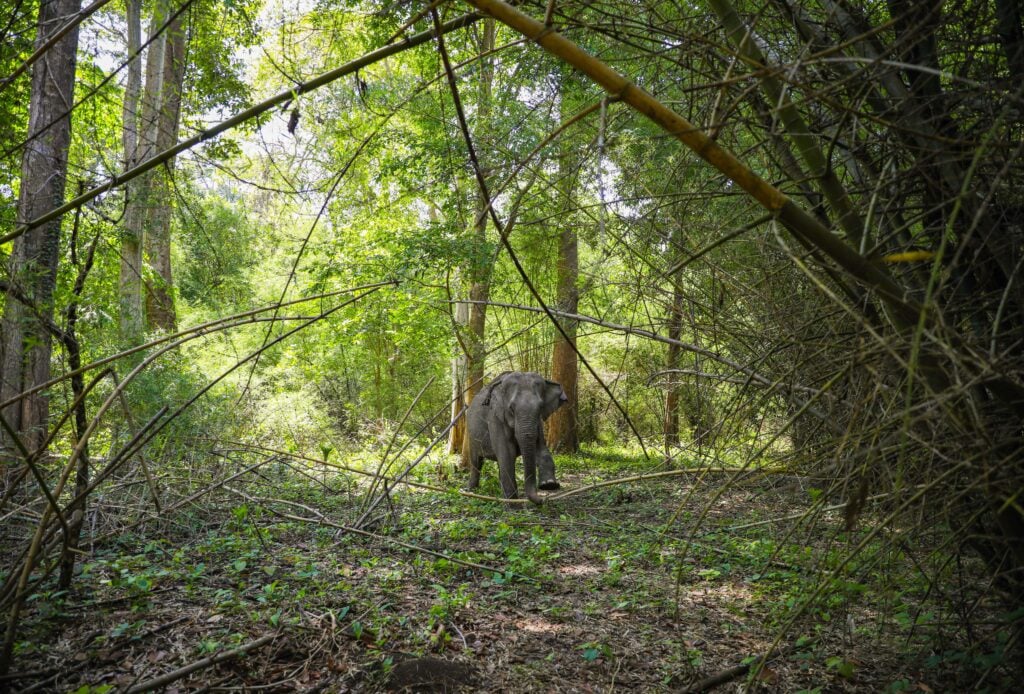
260,256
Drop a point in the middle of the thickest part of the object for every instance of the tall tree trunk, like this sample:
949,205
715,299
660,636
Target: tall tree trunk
26,339
480,273
563,434
562,431
675,331
159,289
130,282
74,353
458,430
479,293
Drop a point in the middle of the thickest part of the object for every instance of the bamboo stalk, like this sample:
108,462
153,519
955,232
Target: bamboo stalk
798,221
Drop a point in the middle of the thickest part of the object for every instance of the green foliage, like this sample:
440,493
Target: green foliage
219,247
218,32
15,46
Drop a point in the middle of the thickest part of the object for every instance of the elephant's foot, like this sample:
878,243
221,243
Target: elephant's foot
549,485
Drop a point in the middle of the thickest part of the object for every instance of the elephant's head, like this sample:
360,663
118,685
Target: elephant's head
523,400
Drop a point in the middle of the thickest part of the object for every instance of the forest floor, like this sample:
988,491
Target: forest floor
587,594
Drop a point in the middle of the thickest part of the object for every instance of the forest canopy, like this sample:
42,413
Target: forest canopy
260,258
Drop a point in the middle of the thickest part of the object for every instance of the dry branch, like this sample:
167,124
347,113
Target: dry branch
366,473
185,671
732,673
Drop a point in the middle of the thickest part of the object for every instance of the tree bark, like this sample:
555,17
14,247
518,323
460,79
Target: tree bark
26,340
675,331
458,430
479,294
130,281
562,429
563,433
160,286
74,353
480,274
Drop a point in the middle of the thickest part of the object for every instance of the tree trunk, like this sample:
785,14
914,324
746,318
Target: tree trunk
26,339
130,282
160,286
479,293
458,430
675,331
74,354
480,274
563,435
562,431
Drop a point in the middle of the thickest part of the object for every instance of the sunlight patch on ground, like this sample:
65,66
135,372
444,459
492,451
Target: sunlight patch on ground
729,591
536,625
580,570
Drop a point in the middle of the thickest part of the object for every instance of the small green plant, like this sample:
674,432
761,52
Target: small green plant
125,628
841,666
443,610
593,650
207,646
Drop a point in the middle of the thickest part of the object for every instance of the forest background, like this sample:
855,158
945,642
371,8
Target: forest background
257,252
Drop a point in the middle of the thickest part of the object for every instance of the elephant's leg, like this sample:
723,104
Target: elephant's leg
507,476
505,452
530,479
546,465
546,470
476,463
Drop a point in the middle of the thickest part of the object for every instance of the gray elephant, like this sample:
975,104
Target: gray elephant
506,420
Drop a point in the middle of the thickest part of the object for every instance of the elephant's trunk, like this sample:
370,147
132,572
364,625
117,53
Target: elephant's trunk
527,433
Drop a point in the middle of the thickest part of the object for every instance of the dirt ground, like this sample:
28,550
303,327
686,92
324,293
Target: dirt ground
588,595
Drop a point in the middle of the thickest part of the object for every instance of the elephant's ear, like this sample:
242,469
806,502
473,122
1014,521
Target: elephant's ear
554,397
489,388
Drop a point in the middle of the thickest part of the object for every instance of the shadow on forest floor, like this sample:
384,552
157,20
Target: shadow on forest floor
587,595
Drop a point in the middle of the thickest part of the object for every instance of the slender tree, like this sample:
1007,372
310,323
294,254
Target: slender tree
130,283
675,331
562,431
149,128
28,309
480,271
160,288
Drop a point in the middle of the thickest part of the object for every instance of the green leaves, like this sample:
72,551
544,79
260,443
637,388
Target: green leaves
842,667
593,651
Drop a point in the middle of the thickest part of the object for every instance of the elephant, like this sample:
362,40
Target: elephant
505,420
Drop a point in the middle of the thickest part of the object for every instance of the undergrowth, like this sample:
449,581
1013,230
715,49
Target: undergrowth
597,588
